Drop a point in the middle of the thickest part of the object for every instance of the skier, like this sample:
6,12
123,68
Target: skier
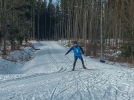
78,51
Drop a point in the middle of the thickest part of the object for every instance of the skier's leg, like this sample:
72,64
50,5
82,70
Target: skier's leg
75,59
82,62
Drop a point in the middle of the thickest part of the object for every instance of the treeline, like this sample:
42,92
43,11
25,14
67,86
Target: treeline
24,20
15,22
103,28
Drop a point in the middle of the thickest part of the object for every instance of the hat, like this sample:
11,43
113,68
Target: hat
75,42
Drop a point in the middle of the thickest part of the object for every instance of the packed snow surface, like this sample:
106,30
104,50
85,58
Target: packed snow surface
48,76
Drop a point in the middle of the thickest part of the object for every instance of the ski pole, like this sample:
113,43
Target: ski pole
85,61
68,59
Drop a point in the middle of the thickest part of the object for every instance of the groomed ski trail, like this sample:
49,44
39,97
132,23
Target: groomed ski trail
48,77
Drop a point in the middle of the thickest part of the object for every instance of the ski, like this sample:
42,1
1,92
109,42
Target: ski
80,69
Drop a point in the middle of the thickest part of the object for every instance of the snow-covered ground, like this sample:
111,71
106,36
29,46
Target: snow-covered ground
48,76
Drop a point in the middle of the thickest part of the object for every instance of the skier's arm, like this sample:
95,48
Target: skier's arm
82,50
69,50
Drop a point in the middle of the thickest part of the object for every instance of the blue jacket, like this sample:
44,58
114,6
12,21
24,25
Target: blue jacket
78,51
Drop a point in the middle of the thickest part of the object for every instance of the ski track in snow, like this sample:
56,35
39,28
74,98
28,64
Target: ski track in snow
49,77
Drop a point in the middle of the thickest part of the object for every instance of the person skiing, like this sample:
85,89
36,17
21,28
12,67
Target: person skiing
78,51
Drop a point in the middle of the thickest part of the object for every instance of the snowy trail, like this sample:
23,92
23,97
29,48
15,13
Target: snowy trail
48,77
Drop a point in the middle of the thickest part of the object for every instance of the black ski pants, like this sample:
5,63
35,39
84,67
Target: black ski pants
75,60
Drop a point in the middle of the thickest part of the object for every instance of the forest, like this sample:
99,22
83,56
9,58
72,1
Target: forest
104,28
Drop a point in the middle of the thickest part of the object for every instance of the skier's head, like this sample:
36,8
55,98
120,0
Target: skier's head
75,43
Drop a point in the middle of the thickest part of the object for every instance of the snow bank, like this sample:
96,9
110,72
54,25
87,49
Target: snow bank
14,61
